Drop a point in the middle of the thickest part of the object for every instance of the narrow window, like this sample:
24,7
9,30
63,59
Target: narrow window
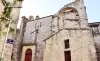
67,56
28,55
66,44
12,56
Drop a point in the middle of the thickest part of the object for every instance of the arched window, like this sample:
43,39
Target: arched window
28,55
69,13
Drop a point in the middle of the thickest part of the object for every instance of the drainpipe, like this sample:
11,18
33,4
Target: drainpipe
6,38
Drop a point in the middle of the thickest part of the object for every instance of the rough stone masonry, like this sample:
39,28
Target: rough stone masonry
43,39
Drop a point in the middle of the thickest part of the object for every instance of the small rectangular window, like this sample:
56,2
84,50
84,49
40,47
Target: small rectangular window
67,56
66,42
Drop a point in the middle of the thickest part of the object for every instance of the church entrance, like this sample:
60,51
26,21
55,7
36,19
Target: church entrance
67,56
28,55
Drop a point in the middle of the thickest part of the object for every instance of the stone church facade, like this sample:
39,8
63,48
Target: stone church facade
64,36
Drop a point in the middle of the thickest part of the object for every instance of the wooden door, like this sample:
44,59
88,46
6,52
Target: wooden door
28,55
67,56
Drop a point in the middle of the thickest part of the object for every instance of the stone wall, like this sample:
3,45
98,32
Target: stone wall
96,33
9,14
47,32
8,50
81,46
98,50
67,17
17,50
41,28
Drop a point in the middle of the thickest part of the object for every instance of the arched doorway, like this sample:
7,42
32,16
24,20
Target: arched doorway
28,55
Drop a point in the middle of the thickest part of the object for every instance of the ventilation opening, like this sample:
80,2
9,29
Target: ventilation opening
66,42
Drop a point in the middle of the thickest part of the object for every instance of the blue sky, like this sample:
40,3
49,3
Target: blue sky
50,7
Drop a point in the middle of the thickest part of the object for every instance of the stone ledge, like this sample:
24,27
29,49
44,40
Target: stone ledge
67,29
28,44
